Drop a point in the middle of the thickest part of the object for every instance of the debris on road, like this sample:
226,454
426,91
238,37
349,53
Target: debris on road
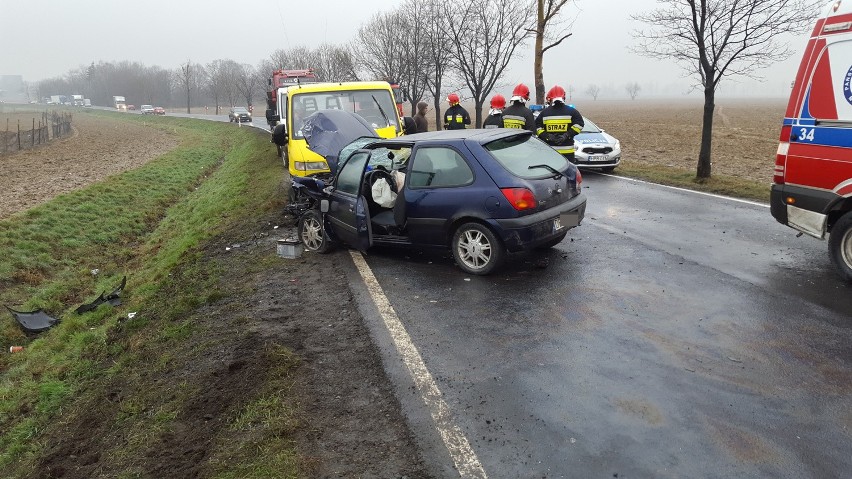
33,321
113,298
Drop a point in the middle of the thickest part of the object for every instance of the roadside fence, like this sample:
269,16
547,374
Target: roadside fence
51,126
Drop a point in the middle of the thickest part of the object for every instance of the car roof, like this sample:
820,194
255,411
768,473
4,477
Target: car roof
480,136
239,108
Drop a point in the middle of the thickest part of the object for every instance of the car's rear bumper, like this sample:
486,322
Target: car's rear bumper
527,232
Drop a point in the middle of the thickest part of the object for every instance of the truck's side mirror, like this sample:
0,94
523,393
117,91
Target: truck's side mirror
271,117
279,134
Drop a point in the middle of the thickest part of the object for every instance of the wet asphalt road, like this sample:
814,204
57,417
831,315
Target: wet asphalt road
670,335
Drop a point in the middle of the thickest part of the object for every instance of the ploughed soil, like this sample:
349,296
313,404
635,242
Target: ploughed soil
98,147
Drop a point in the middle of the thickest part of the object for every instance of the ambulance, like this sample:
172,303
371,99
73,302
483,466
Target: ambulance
812,184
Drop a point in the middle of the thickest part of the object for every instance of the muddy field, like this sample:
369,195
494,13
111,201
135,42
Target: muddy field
745,134
98,147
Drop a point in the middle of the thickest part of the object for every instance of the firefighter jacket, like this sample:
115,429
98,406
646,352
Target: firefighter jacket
557,125
455,118
494,120
518,116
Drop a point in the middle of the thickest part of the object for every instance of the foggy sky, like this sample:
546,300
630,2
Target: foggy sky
46,38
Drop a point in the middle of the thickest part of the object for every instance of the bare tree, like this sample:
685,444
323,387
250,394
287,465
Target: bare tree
415,52
548,28
216,81
244,82
717,38
485,35
593,91
189,77
334,63
438,45
378,47
632,89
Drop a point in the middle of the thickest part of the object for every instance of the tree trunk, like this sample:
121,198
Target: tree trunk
704,164
479,104
439,125
187,99
538,74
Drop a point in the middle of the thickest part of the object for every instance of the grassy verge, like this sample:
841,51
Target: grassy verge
151,225
684,178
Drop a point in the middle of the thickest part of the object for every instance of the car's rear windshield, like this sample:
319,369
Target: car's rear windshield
240,110
519,152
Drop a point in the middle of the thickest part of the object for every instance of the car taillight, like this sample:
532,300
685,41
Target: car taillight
520,198
579,178
781,155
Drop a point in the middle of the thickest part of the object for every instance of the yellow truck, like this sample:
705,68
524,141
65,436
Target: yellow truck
373,101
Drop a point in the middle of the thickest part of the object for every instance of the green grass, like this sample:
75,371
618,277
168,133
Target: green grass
148,224
681,177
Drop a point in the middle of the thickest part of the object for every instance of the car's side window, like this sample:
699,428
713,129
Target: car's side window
350,175
435,167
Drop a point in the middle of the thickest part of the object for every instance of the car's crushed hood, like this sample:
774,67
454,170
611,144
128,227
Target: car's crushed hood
328,131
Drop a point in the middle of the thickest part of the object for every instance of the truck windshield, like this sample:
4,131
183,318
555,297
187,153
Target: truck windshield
375,106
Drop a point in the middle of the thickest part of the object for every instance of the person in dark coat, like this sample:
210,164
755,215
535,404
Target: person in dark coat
495,116
456,117
420,117
558,123
517,115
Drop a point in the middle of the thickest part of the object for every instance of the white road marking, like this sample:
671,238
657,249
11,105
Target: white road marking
721,197
459,447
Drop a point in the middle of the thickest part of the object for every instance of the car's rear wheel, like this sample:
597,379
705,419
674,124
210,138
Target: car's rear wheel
312,232
552,243
477,249
840,246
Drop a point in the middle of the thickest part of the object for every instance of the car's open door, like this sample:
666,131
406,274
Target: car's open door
348,212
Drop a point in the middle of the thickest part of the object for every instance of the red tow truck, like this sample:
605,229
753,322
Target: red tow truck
284,79
812,184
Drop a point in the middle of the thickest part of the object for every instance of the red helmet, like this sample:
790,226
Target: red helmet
521,93
453,98
557,93
498,102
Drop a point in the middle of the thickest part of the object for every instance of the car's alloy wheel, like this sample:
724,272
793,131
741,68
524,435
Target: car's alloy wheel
312,232
476,249
840,246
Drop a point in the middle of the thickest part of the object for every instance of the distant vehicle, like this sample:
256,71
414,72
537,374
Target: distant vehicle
56,100
77,100
131,107
812,185
239,114
87,103
158,110
147,109
595,149
119,103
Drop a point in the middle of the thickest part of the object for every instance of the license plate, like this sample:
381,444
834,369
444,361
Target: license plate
557,223
598,158
569,220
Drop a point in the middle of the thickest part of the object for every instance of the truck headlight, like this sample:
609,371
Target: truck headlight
310,165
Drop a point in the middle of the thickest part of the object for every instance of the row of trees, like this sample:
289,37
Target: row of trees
434,47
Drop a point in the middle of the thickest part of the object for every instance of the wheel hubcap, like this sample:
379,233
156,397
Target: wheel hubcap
846,248
474,249
312,234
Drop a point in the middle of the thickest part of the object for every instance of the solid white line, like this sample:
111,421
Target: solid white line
459,447
721,197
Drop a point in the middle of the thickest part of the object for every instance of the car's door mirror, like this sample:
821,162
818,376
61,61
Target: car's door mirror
324,206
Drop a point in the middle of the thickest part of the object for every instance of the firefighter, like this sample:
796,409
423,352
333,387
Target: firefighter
456,117
517,115
495,116
558,123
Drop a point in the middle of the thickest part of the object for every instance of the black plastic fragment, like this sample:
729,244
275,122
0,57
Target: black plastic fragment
33,321
114,298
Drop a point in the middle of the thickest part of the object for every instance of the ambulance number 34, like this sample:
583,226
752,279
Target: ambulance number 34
806,134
